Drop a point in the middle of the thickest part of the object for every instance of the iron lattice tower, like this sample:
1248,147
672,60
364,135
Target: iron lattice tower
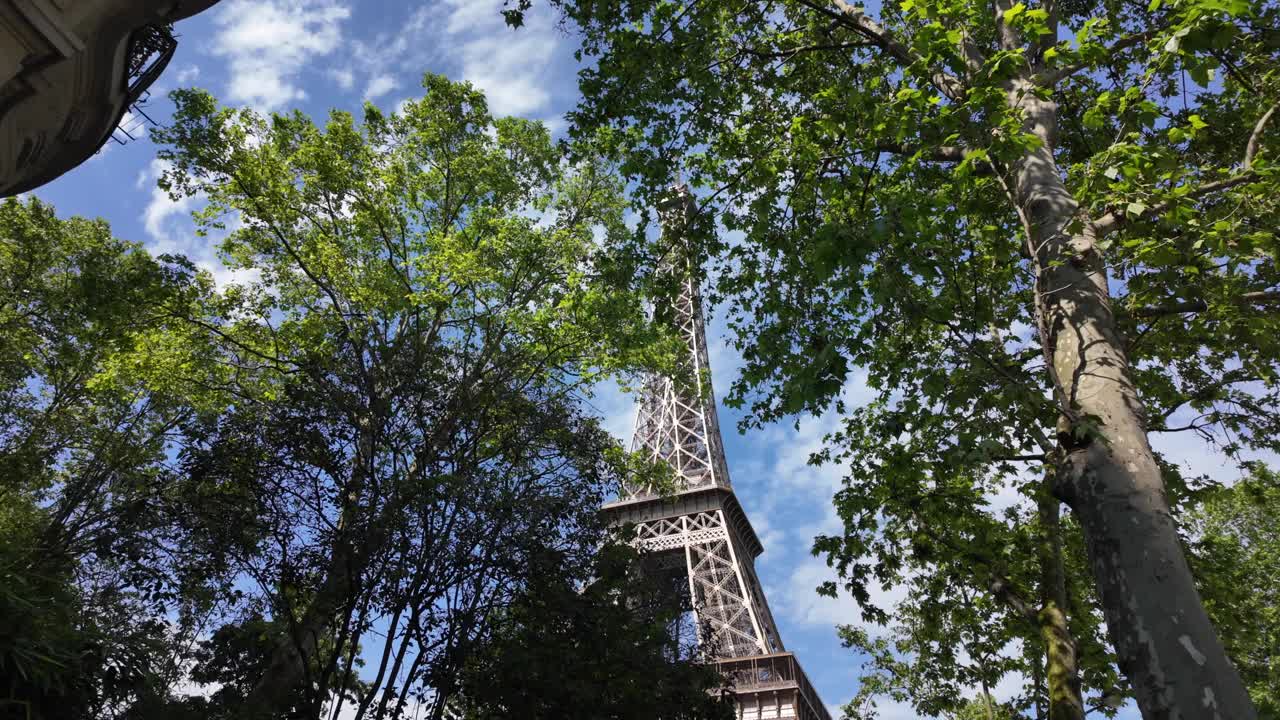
701,528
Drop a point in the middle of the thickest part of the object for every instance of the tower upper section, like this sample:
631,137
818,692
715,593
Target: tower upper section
676,420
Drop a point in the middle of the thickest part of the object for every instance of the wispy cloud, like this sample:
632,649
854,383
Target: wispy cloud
267,44
797,599
344,78
518,70
187,75
378,86
170,229
510,66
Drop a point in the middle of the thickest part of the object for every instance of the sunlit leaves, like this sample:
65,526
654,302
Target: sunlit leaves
879,232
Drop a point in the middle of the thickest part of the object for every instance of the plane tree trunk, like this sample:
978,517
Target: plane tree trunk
1166,646
1066,701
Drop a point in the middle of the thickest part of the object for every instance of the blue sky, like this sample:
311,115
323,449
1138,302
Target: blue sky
318,54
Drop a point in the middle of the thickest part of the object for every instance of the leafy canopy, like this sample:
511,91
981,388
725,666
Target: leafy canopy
892,189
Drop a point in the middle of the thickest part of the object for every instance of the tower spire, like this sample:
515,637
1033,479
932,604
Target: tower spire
676,420
701,529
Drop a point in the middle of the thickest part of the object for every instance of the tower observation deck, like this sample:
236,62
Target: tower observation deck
701,529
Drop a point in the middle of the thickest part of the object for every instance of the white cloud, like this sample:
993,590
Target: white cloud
769,534
509,67
187,75
267,44
617,411
378,86
512,67
890,709
161,210
171,231
344,78
468,16
399,106
797,601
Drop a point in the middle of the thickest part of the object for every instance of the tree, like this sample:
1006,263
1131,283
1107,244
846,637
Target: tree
944,197
401,438
936,647
1234,548
603,650
951,633
86,596
983,708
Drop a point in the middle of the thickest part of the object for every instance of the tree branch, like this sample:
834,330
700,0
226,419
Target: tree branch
1020,458
1263,297
1004,591
788,53
1110,221
1007,36
856,19
942,153
1204,394
1255,139
1049,78
974,59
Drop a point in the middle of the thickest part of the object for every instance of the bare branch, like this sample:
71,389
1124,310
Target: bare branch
1255,139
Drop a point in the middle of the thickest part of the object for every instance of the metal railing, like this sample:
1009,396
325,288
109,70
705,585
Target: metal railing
150,49
779,671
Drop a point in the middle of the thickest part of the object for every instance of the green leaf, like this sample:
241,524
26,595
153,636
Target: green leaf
1012,13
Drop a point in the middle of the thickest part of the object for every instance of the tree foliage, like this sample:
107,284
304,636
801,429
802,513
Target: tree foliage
564,651
84,592
403,435
329,485
1235,548
1043,230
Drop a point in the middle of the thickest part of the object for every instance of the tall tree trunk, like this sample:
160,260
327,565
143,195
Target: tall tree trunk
1037,684
352,546
297,651
1065,699
1166,646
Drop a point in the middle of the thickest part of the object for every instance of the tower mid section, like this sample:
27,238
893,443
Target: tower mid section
699,529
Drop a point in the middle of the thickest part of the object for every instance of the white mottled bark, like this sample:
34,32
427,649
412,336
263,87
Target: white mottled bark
1166,645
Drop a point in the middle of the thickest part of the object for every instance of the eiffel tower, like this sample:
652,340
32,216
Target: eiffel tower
701,529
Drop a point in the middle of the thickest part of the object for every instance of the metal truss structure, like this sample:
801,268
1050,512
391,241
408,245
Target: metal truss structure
700,529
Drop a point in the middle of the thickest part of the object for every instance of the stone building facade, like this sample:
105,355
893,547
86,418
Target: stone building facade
69,70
